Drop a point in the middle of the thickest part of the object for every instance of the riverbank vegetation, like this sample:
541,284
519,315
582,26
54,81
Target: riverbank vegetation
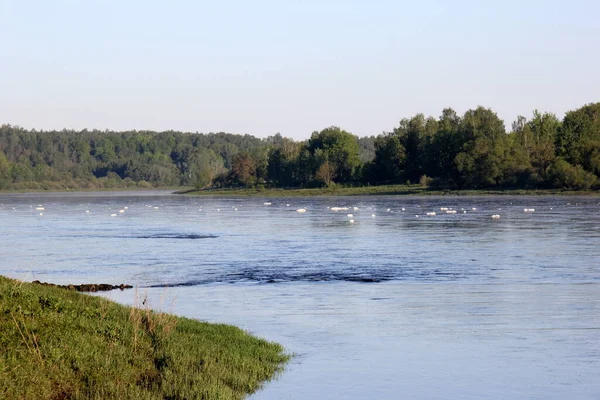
59,344
450,152
380,190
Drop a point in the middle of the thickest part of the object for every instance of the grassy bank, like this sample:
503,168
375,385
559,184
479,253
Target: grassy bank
93,190
59,344
415,190
392,190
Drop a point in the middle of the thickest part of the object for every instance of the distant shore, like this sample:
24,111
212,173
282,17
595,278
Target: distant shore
380,190
172,189
383,190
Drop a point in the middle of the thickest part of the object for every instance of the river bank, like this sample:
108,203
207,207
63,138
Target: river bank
393,190
60,344
380,190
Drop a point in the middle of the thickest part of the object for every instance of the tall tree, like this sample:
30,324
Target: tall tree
243,169
483,139
443,147
283,163
339,147
533,145
4,171
390,159
578,140
326,173
412,133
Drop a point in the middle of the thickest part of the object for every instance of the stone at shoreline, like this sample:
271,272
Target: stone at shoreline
87,287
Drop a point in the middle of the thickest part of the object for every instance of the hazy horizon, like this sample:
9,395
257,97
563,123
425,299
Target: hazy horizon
290,67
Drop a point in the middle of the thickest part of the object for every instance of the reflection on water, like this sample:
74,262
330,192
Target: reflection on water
398,304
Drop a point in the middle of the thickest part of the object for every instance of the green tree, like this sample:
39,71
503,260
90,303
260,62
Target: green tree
442,147
105,150
544,129
204,166
390,159
532,145
578,140
516,166
282,166
412,136
339,148
484,138
5,168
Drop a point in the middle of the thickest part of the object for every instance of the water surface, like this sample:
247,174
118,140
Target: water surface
397,304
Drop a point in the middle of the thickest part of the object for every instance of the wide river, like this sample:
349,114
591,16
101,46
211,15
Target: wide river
395,305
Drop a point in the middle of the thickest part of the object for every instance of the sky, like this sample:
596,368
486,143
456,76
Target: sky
291,67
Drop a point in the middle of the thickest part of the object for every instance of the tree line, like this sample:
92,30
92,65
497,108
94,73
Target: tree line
457,152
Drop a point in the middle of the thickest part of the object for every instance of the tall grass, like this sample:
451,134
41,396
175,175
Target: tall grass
57,344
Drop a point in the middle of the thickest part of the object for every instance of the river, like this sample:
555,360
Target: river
385,303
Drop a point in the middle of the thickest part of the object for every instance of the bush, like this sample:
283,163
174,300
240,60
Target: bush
129,182
425,181
564,175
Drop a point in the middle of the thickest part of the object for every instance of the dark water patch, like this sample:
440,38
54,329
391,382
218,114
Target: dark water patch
278,279
270,276
177,236
186,236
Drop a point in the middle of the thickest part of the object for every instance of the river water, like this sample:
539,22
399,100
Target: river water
397,304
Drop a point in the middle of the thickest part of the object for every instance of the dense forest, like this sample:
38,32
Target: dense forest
470,151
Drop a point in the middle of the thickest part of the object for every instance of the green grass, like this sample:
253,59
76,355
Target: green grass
393,190
92,190
415,190
58,344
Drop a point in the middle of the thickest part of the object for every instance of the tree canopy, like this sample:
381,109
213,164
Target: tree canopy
469,151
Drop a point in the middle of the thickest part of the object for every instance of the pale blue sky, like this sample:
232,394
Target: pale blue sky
263,67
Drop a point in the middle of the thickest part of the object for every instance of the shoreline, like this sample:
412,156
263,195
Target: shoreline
95,190
64,344
384,190
381,190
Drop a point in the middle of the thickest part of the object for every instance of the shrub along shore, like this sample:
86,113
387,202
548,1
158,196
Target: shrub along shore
60,344
382,190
